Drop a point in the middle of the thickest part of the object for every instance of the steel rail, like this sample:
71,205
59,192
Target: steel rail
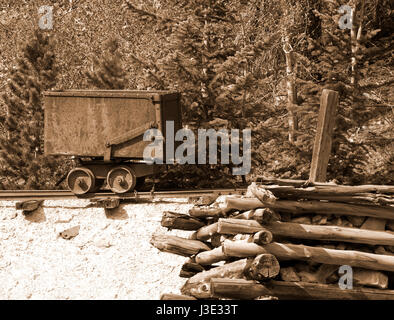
11,195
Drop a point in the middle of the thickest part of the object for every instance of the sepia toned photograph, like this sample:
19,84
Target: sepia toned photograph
197,153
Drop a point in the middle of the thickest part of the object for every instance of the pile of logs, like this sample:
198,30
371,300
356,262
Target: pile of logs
287,239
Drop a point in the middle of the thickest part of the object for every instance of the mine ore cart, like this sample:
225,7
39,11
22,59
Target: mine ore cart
103,131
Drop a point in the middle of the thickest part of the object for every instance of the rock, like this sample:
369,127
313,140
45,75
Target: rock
374,224
102,243
370,278
390,225
302,220
356,220
319,219
64,218
70,233
289,274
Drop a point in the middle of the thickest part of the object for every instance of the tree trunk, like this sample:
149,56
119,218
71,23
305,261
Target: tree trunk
314,254
237,289
249,289
317,207
330,233
177,245
264,267
173,220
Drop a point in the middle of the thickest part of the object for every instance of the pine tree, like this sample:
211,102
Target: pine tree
22,162
108,72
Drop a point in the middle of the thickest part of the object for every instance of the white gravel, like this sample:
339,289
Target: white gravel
110,258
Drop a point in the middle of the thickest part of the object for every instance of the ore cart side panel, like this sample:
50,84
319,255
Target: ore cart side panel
80,126
171,111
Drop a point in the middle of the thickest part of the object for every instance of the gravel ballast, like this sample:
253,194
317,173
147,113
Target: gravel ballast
110,258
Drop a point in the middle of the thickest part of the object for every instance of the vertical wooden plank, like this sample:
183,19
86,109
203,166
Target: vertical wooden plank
322,148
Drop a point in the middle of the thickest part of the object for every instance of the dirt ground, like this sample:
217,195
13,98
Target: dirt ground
110,258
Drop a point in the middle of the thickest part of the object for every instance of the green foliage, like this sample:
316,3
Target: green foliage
22,163
108,71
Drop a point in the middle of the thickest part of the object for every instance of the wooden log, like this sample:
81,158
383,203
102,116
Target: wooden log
316,207
316,291
328,187
329,101
305,231
237,289
236,226
193,266
262,215
206,232
330,193
266,215
206,212
307,253
261,267
370,278
172,296
262,237
198,285
174,220
211,256
177,245
330,233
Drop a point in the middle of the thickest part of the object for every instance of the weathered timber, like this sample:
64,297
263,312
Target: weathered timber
262,237
193,266
237,289
206,232
331,233
236,226
266,215
261,215
329,101
211,256
263,267
339,189
177,245
316,291
317,207
331,193
172,296
198,285
206,212
174,220
306,231
307,253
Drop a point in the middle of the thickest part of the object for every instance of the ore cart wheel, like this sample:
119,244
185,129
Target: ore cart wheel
121,179
81,180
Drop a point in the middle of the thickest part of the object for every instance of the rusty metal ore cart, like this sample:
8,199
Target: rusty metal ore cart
103,131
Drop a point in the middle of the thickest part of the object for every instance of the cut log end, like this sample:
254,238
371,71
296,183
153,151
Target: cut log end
263,267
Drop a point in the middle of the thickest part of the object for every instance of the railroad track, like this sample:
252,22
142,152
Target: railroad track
11,195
